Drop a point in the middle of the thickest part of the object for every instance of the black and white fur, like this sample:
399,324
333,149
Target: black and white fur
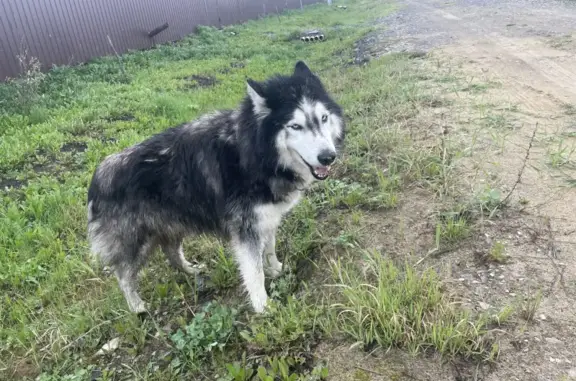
233,173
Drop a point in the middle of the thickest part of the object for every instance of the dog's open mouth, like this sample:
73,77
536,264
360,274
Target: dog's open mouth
320,173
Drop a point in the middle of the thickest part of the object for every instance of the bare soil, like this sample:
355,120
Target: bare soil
200,81
520,56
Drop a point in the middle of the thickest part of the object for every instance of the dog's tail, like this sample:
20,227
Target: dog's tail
98,244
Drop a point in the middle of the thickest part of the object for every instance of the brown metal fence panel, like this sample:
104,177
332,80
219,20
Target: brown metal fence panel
67,32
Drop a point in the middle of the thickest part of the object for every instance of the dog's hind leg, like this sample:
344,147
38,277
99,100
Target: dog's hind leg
248,253
128,281
273,267
126,270
175,254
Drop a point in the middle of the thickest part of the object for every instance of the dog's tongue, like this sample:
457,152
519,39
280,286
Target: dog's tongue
322,171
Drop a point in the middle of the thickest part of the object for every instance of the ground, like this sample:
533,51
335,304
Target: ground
440,250
522,53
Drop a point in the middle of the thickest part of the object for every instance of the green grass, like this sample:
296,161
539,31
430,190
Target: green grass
497,253
289,327
395,307
561,154
208,333
57,310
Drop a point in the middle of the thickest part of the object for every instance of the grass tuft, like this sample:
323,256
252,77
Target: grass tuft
396,307
288,327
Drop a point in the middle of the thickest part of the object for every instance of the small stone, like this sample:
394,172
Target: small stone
492,274
572,372
96,374
110,346
553,340
542,317
484,306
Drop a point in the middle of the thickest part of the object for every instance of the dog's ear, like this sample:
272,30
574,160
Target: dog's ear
256,94
302,70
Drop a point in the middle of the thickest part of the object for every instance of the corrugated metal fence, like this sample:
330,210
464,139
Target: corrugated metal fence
66,32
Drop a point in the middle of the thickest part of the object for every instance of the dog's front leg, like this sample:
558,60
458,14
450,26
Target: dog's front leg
248,253
273,266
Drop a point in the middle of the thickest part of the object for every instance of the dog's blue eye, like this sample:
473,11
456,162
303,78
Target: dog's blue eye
295,127
324,118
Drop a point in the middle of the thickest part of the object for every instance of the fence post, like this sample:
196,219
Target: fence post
301,5
206,10
218,14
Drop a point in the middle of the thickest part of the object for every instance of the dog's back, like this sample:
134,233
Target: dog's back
173,178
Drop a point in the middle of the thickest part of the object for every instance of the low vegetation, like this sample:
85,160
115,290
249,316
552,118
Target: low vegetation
58,311
392,306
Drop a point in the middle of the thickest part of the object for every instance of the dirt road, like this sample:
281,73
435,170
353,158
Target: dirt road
526,48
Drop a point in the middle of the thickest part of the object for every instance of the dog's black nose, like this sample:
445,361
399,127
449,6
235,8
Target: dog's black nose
326,157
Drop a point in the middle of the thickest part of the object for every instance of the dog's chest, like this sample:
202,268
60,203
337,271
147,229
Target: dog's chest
270,215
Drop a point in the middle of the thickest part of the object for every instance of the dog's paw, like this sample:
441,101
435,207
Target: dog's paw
260,307
139,308
191,269
274,269
259,303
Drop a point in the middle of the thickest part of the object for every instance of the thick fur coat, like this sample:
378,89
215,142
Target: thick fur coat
233,173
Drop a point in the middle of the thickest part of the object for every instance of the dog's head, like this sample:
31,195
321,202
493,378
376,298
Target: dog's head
298,115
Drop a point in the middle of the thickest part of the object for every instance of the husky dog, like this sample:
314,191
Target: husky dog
232,173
